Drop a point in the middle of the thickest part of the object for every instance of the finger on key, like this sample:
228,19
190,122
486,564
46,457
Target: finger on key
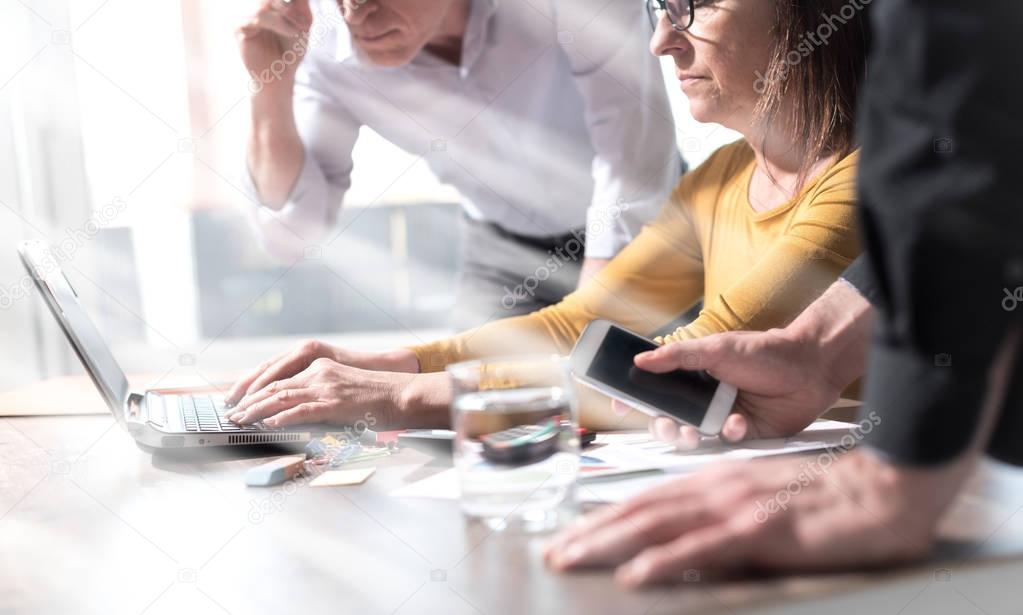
238,389
247,401
285,366
282,400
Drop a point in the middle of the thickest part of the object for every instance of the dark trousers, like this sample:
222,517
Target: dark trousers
506,275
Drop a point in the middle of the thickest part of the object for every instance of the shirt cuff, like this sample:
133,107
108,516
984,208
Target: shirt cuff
930,406
287,232
604,235
309,177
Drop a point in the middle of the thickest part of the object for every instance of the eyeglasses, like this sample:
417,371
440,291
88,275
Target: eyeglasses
680,13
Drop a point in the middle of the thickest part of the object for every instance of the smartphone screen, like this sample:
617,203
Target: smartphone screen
685,395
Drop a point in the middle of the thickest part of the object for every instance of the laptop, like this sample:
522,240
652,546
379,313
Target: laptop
156,419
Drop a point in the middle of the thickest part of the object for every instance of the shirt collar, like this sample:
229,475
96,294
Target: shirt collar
477,32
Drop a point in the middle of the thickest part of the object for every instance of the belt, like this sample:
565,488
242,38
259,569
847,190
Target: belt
547,244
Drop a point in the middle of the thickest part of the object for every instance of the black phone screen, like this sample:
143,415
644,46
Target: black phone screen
683,394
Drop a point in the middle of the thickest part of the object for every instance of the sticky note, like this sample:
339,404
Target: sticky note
342,478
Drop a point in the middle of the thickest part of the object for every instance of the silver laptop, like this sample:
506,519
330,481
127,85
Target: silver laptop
164,419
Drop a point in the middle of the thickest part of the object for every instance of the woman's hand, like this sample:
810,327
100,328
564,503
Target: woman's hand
329,392
293,362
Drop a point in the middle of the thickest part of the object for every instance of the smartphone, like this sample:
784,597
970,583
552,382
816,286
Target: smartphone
603,359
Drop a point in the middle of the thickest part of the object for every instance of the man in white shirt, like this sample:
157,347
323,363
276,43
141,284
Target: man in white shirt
549,117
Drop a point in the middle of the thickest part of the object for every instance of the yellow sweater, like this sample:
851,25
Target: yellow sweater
754,270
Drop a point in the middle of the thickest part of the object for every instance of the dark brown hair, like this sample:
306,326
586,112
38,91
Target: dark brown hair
818,61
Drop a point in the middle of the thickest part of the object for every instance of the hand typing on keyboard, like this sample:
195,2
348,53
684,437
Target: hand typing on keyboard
301,358
329,392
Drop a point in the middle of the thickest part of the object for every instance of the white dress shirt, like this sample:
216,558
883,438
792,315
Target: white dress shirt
557,119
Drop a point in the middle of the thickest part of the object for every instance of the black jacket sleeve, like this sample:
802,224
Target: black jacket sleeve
942,216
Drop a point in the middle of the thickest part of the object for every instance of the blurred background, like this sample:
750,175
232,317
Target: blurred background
122,133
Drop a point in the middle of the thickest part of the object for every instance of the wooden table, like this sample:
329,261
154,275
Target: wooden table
91,524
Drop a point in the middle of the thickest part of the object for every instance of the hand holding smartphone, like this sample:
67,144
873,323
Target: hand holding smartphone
603,359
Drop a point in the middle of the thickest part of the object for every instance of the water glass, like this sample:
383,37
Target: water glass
516,447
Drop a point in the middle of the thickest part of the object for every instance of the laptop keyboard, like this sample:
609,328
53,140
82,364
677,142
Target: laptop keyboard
205,413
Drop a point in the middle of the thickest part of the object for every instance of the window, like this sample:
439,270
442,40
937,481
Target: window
122,131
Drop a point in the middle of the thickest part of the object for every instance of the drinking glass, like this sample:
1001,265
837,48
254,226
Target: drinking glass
516,447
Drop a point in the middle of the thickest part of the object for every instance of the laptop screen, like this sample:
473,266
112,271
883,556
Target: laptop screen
42,266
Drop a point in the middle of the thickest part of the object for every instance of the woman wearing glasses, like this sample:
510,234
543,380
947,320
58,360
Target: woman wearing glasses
758,231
